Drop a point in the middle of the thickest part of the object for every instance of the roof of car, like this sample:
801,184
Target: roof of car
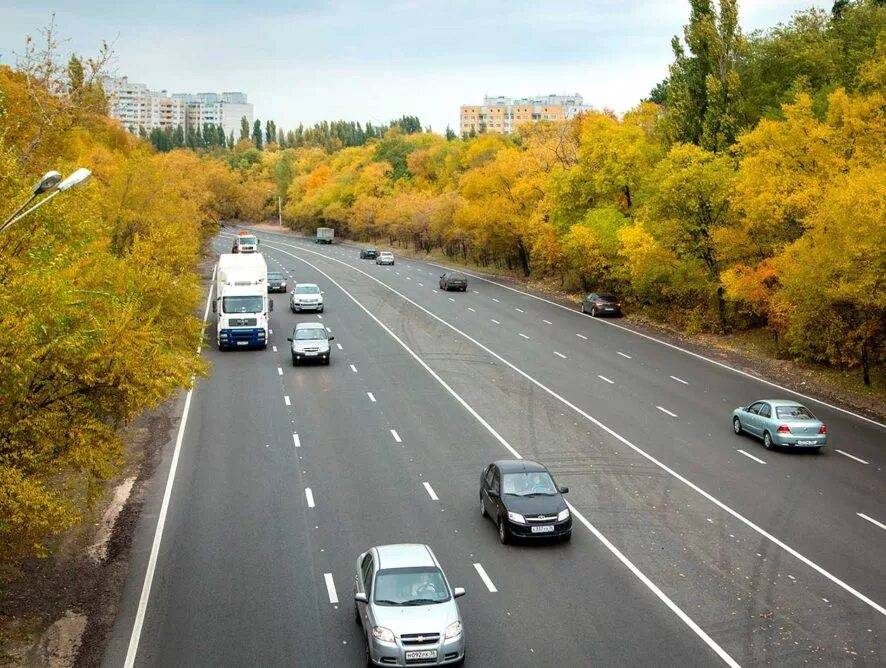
404,555
781,402
301,285
310,325
518,466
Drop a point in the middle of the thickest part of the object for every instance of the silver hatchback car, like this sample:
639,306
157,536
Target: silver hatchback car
406,608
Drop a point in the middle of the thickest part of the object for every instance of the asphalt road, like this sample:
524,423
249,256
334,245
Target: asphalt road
696,547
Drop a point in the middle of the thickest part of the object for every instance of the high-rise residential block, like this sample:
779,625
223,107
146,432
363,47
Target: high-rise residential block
502,115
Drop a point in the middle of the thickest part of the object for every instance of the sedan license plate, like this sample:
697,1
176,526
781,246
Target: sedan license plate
310,354
242,343
806,443
421,654
543,529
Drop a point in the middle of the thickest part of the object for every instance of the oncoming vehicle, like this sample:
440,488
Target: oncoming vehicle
276,282
310,341
780,422
306,297
406,608
245,243
601,304
385,257
523,500
368,253
453,280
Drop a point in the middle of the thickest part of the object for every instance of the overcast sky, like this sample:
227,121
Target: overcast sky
370,60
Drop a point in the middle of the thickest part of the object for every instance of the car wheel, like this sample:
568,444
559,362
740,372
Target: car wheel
594,312
464,289
483,512
582,307
326,361
736,426
320,310
767,441
292,308
294,360
369,661
503,534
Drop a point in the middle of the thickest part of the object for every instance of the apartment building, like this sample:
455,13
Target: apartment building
502,115
136,106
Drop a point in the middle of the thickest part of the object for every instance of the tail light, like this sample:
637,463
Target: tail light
822,430
784,429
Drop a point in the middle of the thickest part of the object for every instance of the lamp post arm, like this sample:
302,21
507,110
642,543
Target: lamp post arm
10,223
16,212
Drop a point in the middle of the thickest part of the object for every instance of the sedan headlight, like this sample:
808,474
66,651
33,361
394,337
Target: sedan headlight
453,630
383,634
516,517
564,515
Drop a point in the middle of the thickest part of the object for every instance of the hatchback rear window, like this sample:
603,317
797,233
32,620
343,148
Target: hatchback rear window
793,413
608,298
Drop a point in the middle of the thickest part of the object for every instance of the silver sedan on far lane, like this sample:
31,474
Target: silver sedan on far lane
780,422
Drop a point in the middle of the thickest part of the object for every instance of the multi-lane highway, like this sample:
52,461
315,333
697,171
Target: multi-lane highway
691,546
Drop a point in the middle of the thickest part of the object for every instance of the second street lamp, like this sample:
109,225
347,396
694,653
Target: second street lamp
50,181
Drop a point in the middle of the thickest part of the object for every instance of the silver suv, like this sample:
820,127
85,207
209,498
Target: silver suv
310,341
406,607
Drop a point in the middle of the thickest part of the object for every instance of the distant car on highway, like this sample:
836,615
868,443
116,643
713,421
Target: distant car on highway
524,502
310,341
780,422
276,282
385,257
453,280
603,303
406,608
306,297
368,253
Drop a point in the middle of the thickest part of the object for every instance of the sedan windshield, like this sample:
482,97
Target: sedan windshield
538,483
793,413
420,585
307,290
309,333
244,304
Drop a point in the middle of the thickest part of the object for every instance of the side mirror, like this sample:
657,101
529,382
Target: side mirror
360,597
214,307
330,338
289,338
564,489
457,592
270,304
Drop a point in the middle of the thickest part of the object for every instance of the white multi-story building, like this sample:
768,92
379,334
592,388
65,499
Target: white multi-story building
501,115
136,106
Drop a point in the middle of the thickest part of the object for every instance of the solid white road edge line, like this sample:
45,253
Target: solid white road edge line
707,495
846,454
430,491
486,579
750,456
871,520
330,588
309,495
396,436
665,410
498,437
137,625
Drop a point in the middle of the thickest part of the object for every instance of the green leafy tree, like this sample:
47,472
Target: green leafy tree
256,134
244,128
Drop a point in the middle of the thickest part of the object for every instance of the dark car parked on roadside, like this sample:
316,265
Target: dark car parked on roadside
453,280
523,500
368,253
602,303
276,282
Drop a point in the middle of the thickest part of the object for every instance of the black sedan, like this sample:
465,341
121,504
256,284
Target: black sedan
276,282
368,253
523,501
601,304
453,280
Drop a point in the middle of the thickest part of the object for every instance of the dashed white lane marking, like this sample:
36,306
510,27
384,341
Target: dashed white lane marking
495,321
320,316
451,299
665,410
286,400
547,322
523,335
371,396
309,495
750,456
519,310
864,517
296,441
475,292
421,284
623,355
472,309
560,355
270,331
330,588
329,329
486,579
680,380
396,436
611,382
353,368
430,491
846,454
339,346
274,348
279,371
582,336
495,300
409,278
433,290
397,272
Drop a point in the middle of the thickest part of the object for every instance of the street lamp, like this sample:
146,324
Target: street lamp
51,181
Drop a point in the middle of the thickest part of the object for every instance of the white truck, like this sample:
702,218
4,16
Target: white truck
325,235
245,242
241,301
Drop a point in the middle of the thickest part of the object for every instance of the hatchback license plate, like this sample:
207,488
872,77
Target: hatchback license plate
310,354
422,654
806,443
543,529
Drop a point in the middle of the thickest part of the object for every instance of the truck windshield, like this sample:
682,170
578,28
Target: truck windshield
245,304
246,241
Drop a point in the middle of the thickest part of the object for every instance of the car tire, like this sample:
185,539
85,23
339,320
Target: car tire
369,662
504,536
483,512
326,361
292,308
320,310
736,427
464,289
593,311
582,307
767,441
